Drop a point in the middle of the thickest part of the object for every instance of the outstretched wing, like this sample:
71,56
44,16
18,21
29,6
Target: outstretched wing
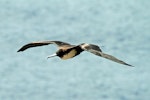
42,43
97,51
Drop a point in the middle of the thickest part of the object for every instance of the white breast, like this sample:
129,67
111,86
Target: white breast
71,54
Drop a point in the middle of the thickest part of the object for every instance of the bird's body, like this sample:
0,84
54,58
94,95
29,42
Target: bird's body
67,51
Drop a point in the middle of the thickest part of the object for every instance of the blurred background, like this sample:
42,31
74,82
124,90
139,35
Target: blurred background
120,27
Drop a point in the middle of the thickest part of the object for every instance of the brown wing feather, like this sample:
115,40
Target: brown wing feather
110,57
41,43
87,47
95,50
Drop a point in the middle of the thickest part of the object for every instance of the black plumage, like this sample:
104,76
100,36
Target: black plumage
67,51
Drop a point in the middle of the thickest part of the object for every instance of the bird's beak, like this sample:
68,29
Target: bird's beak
53,55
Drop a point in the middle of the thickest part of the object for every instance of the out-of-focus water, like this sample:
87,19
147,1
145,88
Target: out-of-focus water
121,26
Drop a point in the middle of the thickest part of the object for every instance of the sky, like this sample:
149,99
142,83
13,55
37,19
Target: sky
120,28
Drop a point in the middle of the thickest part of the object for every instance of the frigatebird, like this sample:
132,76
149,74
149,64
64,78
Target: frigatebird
67,51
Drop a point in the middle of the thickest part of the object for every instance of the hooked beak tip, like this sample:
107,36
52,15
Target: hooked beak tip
51,56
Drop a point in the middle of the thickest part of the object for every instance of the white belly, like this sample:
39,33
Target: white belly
71,54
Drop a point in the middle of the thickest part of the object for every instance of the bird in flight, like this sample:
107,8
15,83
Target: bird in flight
67,51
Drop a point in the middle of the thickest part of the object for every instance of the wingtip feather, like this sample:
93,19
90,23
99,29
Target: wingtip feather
19,51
